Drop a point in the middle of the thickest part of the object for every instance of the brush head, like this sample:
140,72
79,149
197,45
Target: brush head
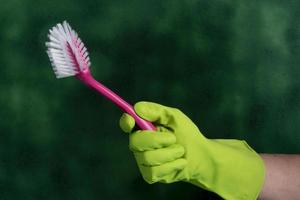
66,51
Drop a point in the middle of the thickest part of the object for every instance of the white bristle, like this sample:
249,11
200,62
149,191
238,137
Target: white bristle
66,51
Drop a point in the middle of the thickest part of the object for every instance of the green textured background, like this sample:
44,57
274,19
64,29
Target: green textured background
232,66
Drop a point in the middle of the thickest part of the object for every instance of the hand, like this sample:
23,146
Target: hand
178,151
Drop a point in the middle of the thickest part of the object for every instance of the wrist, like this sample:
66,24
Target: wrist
233,171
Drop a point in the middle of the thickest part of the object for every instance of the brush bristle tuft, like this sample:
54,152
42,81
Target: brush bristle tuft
66,51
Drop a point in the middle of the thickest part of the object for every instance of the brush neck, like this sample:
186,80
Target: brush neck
87,78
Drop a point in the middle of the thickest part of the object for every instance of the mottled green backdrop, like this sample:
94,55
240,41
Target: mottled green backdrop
232,66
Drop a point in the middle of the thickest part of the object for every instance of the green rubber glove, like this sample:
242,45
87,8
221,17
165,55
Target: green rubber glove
178,151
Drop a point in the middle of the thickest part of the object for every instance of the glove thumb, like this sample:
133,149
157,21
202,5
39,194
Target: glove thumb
154,112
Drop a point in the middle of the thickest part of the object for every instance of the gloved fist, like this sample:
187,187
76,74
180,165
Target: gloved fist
178,151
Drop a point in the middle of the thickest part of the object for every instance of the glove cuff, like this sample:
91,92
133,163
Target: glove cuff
238,171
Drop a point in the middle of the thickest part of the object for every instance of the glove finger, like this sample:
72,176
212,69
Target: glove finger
126,123
150,140
159,156
163,173
154,112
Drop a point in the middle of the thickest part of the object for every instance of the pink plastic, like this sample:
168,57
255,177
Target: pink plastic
86,77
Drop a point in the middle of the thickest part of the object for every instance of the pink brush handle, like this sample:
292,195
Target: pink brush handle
87,78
